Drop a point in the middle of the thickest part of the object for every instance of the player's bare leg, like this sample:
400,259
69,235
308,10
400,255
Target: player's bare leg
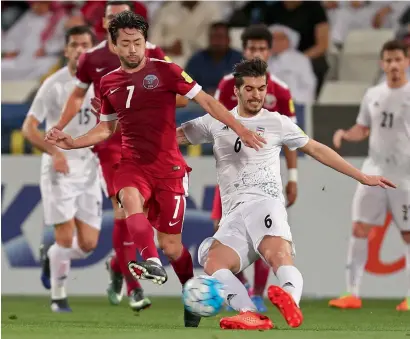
405,304
66,248
59,260
356,262
143,236
117,265
220,262
286,297
181,261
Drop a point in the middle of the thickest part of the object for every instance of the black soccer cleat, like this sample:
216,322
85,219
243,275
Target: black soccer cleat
137,301
148,270
45,267
190,319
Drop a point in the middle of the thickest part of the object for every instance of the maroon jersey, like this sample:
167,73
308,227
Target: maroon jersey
278,97
97,62
144,104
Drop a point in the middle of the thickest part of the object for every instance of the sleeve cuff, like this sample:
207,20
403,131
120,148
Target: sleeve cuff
193,92
108,117
81,84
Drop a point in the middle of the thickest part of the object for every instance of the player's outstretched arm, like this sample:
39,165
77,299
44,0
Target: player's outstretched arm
356,133
330,158
31,133
97,134
219,112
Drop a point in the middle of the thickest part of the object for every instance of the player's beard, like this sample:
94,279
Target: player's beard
253,107
130,65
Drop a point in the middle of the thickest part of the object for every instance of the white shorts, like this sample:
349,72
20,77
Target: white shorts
370,205
245,226
75,195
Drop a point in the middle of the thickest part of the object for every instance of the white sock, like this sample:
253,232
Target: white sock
291,280
235,293
356,261
156,260
59,268
76,252
407,246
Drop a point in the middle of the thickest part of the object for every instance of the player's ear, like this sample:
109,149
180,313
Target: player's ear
236,91
66,51
105,23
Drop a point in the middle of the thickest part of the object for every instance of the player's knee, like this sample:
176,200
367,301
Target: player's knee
361,230
171,246
63,235
87,245
131,200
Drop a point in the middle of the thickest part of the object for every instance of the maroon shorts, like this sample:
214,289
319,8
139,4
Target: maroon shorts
164,197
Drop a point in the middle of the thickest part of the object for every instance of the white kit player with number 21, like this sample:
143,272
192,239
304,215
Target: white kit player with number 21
254,222
384,117
70,180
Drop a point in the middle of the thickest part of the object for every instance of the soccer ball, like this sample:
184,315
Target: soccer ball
203,296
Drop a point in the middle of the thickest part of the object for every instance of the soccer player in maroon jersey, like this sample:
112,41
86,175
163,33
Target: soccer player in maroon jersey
257,43
92,66
152,172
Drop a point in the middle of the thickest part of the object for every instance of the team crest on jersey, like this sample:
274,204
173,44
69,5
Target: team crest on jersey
150,81
270,101
260,131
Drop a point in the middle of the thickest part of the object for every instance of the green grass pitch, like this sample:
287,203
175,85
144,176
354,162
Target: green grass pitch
92,318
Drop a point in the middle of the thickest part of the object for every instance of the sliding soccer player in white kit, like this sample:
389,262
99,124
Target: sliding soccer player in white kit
70,180
384,117
254,222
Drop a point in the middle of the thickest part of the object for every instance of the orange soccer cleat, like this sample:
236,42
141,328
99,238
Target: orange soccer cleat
347,301
286,305
246,321
404,305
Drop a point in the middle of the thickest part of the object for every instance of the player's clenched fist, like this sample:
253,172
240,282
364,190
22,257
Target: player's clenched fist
252,139
60,139
377,180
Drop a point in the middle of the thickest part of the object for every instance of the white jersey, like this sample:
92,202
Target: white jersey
243,173
49,103
386,111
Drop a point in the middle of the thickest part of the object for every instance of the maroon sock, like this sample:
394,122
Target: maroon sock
183,266
261,277
143,235
123,253
242,278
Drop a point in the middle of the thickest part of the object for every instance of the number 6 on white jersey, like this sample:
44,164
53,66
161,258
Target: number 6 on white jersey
130,90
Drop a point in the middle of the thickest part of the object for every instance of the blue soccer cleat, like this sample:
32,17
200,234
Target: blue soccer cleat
60,306
45,267
259,303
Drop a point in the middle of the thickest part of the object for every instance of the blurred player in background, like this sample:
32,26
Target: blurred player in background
152,171
384,117
255,222
70,181
257,43
92,67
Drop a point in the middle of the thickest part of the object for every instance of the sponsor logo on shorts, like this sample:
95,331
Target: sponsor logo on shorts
230,297
150,81
173,223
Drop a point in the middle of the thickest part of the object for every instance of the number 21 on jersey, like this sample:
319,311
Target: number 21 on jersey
130,90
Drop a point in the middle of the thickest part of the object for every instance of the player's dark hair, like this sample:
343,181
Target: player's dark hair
219,24
249,68
130,4
393,45
79,30
256,32
128,20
